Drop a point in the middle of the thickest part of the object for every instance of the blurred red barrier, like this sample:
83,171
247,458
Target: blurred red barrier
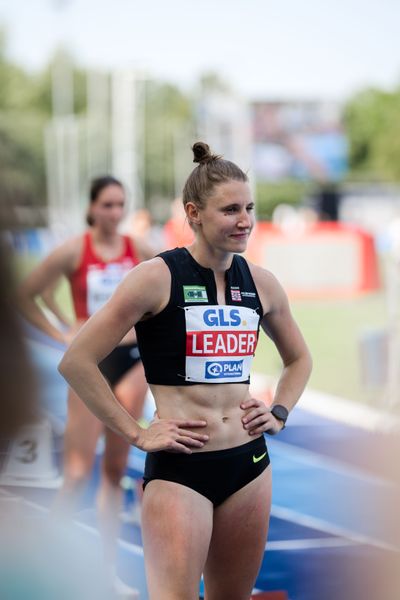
318,260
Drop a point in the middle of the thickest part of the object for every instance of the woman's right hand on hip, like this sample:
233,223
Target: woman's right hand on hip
172,435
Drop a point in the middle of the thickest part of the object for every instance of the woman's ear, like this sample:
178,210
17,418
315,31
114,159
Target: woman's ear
192,213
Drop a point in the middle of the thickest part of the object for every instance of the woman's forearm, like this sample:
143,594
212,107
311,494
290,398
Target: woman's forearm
52,305
292,381
32,313
87,381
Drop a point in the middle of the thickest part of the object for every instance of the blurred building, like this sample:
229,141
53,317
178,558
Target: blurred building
299,139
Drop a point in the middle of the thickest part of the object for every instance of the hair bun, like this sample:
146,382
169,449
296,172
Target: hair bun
202,153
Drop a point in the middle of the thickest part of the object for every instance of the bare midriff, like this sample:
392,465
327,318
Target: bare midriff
217,404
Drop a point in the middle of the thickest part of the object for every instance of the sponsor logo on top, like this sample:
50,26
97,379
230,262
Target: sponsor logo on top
236,295
195,293
218,317
223,369
220,331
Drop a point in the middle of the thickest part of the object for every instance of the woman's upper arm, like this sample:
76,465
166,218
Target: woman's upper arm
144,291
61,261
277,321
144,249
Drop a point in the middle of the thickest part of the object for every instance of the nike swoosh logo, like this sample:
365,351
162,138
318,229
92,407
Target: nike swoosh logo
256,459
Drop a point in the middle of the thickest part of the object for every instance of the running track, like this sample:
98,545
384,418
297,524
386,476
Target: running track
334,531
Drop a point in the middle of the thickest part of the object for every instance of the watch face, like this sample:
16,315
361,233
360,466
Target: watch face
280,412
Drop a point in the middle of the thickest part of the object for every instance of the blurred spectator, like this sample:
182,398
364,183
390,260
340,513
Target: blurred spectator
326,202
140,225
177,230
17,382
39,558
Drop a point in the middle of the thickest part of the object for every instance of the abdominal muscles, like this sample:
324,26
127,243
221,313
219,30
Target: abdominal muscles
217,404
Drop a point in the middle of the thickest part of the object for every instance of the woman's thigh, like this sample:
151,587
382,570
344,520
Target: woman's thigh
176,527
238,541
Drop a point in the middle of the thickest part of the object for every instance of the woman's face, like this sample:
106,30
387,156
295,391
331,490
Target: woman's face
108,208
228,217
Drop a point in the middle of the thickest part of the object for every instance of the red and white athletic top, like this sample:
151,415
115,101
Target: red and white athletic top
95,280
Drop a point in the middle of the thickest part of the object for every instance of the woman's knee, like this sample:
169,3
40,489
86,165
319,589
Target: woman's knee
76,475
113,471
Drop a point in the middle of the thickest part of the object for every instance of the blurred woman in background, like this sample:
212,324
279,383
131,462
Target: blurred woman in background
94,264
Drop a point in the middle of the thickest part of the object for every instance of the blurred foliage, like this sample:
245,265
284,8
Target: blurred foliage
21,154
22,172
372,123
25,107
167,112
210,81
270,195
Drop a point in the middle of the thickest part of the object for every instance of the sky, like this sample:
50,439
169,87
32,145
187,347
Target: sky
326,49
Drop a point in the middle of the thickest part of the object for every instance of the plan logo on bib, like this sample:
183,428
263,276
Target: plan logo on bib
223,368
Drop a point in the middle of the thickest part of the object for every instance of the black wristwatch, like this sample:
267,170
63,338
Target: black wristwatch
281,413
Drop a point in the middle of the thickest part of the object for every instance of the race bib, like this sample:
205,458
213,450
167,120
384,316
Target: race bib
101,283
220,343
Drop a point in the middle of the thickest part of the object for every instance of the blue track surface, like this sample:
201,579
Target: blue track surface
334,532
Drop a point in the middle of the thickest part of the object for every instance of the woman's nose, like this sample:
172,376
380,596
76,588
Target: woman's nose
244,220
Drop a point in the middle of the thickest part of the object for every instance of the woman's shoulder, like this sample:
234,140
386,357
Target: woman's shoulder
70,251
261,275
147,286
75,243
152,272
268,286
140,246
66,252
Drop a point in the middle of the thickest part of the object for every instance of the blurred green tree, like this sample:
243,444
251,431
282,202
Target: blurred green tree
269,195
25,106
168,116
372,122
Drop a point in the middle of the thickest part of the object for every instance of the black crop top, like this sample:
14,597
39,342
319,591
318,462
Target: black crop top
194,339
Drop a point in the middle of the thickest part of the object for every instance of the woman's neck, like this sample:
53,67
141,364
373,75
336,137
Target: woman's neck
99,236
210,257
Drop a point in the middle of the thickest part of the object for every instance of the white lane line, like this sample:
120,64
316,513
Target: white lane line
349,412
320,524
309,543
134,548
320,461
345,537
92,530
9,496
336,408
130,547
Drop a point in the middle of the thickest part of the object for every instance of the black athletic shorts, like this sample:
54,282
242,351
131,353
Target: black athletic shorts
216,474
119,361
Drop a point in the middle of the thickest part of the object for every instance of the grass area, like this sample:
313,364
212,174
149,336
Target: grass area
24,265
332,328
